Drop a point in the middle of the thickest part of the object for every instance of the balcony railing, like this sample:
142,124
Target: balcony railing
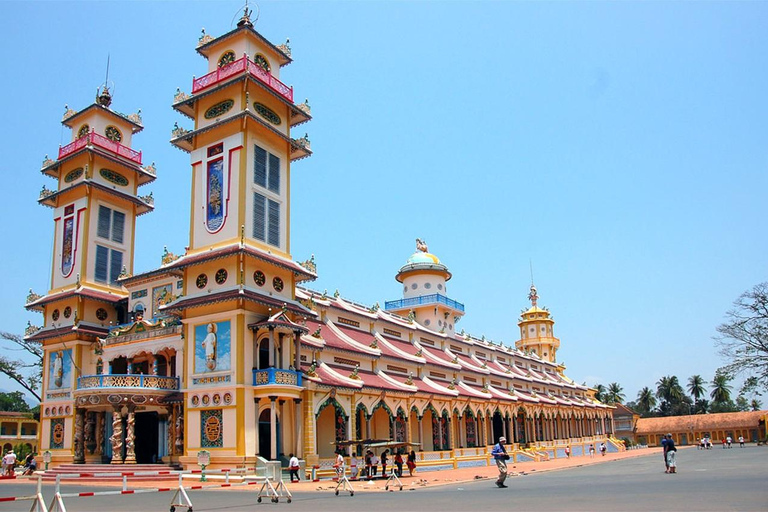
128,381
276,376
102,142
239,66
423,300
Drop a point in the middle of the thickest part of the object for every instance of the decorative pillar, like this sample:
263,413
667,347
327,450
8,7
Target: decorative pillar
130,366
179,434
130,436
297,350
155,364
284,423
79,436
272,347
421,431
117,435
256,430
272,424
90,432
462,432
299,451
100,424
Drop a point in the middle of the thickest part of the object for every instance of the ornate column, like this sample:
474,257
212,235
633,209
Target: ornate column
284,423
90,432
79,436
100,424
117,435
272,347
130,436
299,451
155,364
421,430
297,351
272,424
178,441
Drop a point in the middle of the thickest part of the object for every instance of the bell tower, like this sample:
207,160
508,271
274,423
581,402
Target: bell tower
536,334
241,147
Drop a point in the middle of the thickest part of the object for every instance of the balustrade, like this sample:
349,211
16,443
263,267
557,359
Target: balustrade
239,66
423,299
102,142
276,376
128,381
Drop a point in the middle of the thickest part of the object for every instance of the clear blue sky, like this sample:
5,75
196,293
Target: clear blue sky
621,147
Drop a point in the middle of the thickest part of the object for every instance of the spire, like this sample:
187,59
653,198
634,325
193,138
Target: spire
246,18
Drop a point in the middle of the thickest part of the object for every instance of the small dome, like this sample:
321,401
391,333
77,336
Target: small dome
422,257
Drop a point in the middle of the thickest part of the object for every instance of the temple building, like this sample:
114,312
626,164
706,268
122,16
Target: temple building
225,348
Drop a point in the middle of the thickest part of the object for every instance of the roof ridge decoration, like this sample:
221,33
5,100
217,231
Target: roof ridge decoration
408,386
338,332
349,380
418,358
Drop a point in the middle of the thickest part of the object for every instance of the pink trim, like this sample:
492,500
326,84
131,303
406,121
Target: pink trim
102,142
242,65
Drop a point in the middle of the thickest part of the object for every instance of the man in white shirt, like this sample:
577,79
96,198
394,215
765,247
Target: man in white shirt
9,461
293,468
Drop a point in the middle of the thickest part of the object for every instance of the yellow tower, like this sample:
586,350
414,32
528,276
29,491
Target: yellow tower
425,291
95,206
242,322
536,334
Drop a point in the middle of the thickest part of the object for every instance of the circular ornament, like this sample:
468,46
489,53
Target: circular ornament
195,400
83,131
212,429
219,109
206,399
267,113
114,399
216,399
61,410
227,58
259,278
67,312
73,175
113,177
262,62
201,281
47,411
221,276
94,399
55,315
67,410
227,398
101,314
113,134
277,284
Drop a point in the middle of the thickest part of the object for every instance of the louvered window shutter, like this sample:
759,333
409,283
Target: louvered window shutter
115,265
259,217
274,173
104,222
274,223
118,226
259,166
102,255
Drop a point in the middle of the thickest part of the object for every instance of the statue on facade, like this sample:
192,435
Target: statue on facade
90,432
533,296
179,432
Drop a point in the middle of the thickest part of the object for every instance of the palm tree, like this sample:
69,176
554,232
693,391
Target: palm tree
614,394
721,391
755,404
669,389
696,388
646,400
600,392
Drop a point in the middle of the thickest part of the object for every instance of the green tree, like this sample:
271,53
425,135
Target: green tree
615,393
600,392
743,338
13,402
755,404
721,390
646,401
696,387
742,404
27,374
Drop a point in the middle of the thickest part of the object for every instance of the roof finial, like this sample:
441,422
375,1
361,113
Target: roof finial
103,95
421,245
246,18
533,296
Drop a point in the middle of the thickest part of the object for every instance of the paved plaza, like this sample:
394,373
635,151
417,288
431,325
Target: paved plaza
714,480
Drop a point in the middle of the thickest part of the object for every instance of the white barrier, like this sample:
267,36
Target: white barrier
38,504
179,499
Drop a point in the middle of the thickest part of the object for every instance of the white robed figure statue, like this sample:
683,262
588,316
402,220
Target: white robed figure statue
58,369
209,344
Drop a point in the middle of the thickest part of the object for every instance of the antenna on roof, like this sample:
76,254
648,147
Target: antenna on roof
531,264
103,93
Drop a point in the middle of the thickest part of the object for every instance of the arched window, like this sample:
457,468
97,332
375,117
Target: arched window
262,62
226,58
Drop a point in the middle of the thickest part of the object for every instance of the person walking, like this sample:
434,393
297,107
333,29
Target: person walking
741,441
384,460
603,449
591,451
374,465
568,451
369,464
499,454
293,468
411,462
671,455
